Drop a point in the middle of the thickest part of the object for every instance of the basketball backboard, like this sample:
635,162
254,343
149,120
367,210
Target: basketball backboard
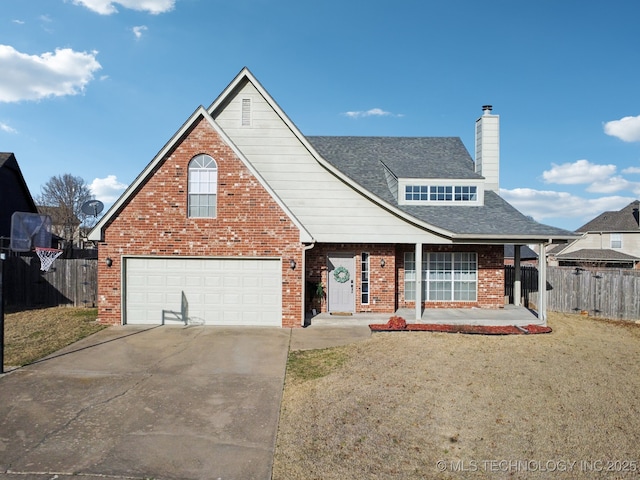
30,230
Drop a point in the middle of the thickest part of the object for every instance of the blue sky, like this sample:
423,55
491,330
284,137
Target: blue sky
95,88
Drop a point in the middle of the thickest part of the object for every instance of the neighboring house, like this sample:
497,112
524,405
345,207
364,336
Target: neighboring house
64,224
612,239
14,195
240,217
527,255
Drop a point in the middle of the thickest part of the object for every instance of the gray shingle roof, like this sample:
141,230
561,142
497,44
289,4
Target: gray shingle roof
622,220
596,254
406,157
362,159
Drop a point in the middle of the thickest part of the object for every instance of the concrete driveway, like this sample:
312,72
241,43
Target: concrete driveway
147,402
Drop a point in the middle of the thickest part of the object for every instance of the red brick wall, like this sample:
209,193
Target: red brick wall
490,275
155,222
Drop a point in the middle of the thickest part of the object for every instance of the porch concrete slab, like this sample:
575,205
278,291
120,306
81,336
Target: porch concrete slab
509,315
166,402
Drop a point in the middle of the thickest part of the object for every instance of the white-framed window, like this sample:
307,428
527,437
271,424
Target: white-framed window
616,240
435,194
446,276
203,187
364,278
416,192
465,193
410,275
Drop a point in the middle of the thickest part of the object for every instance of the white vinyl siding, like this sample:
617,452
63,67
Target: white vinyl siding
445,277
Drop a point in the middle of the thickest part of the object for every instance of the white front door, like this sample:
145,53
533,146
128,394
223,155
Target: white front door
341,271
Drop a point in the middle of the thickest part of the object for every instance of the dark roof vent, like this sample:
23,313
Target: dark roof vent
486,108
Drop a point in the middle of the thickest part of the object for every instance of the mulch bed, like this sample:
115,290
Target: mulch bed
399,324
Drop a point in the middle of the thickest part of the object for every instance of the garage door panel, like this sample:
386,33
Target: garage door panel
218,291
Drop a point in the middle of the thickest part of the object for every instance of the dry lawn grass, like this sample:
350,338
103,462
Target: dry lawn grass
33,334
483,406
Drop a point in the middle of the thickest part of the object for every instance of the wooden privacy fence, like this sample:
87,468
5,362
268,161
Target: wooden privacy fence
528,282
68,282
607,293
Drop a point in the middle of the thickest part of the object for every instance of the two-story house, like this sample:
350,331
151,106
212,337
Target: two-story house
612,239
240,219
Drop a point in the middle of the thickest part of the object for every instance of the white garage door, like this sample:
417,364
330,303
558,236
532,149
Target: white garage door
213,291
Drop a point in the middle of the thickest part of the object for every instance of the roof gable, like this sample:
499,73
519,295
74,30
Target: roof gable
97,233
14,193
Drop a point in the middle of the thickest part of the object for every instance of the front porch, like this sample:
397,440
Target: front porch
509,315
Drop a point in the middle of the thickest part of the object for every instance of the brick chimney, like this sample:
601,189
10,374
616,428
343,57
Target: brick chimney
488,148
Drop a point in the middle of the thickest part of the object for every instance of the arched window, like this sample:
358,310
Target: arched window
203,186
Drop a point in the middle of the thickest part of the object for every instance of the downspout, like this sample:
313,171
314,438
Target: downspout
305,249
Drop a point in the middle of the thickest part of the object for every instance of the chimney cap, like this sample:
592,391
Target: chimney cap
486,108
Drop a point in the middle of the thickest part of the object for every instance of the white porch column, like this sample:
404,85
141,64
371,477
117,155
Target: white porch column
542,283
418,281
517,281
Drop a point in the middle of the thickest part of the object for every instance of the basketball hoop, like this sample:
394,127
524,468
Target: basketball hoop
47,257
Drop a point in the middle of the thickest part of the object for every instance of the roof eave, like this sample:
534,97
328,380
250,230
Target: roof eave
511,239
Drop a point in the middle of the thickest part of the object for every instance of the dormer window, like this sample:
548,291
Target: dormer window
438,193
416,192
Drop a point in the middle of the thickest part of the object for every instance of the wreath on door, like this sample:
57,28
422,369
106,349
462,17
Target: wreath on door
341,275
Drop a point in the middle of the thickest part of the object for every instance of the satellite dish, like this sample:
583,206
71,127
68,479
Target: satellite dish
92,207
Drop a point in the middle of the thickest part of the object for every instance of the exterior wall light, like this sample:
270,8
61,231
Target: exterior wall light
292,264
108,261
382,262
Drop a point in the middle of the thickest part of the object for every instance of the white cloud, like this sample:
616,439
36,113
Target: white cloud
107,189
581,171
626,129
137,31
107,7
542,204
7,128
18,22
611,185
33,77
631,170
374,112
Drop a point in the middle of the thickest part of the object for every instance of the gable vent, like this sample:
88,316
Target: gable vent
246,112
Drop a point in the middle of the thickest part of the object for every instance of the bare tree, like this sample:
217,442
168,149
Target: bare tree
62,198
